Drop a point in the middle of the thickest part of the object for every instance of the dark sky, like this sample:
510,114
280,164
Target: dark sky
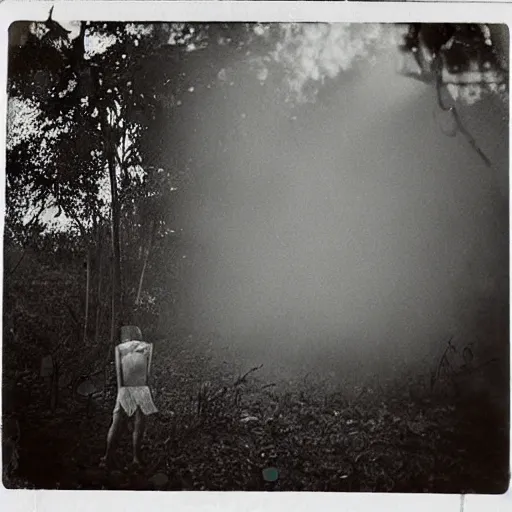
357,230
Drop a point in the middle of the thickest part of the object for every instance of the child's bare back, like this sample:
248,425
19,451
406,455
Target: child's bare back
133,365
134,357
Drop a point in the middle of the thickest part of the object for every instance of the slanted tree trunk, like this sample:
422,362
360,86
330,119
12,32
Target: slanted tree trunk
141,279
146,259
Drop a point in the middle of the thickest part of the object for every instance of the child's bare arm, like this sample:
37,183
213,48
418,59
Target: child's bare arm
150,358
118,368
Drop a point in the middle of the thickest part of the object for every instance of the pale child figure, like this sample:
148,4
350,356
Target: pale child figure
133,365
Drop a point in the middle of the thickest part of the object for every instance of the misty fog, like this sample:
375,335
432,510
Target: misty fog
348,231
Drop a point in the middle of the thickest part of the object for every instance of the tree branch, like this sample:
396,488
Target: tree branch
30,222
243,378
437,67
75,219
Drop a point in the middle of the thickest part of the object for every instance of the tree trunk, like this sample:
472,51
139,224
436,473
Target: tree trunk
116,246
99,259
116,266
87,293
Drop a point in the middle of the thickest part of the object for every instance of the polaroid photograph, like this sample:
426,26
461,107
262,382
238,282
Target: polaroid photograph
258,247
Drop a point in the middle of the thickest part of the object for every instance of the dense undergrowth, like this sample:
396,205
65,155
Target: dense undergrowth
217,430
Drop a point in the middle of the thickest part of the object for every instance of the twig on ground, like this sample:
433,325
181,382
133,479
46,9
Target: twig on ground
243,378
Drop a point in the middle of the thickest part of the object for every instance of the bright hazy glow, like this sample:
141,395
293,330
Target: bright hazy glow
351,225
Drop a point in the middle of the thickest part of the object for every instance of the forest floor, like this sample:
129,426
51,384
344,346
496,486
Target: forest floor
242,433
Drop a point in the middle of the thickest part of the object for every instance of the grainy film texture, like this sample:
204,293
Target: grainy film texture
295,236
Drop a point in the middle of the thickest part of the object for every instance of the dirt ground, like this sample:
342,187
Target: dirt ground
221,430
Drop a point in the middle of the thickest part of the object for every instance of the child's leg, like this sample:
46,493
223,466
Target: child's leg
113,434
138,434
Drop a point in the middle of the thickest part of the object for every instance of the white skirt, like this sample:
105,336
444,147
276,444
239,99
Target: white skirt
129,398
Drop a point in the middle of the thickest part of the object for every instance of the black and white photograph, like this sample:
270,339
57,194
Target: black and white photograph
256,256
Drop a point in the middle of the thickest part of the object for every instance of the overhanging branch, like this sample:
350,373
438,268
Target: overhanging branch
455,114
